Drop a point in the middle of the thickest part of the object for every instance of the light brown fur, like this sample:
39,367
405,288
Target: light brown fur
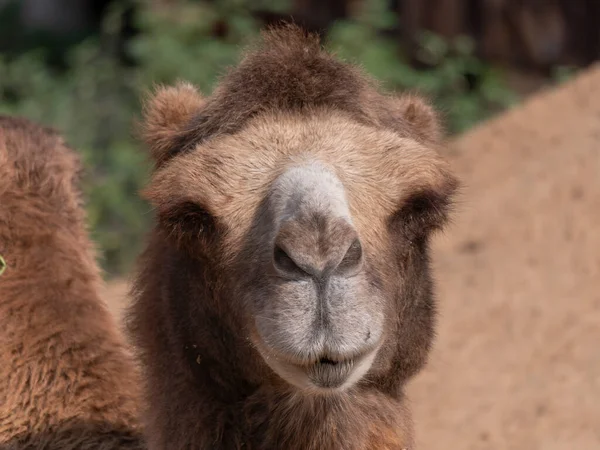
66,379
207,265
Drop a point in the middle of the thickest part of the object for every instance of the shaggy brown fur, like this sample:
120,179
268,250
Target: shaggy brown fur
66,380
288,101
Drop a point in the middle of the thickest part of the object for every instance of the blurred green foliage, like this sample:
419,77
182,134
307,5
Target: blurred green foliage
94,98
446,81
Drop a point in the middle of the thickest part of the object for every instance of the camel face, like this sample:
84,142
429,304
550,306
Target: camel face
305,216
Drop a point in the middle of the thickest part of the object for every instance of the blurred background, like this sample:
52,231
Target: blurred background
516,362
82,65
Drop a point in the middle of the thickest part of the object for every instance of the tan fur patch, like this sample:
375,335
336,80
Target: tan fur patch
66,378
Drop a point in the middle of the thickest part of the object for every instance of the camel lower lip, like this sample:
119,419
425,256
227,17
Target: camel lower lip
329,374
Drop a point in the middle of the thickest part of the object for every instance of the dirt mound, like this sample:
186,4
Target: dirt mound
517,359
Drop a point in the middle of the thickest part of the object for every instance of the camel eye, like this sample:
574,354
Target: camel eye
422,213
195,218
188,221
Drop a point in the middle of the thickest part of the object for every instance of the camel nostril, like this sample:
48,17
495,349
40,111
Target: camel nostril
285,264
352,258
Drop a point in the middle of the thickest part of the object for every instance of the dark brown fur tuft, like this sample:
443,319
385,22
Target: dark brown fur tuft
286,70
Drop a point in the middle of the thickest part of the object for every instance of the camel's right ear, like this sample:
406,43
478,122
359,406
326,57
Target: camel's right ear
165,114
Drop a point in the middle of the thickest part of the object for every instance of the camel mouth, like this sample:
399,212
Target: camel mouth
327,373
327,361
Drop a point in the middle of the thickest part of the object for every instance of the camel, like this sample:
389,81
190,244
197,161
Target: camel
67,380
285,296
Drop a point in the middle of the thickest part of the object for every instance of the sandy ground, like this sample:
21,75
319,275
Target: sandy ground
517,359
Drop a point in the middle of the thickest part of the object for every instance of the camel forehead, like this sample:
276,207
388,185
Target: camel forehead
232,175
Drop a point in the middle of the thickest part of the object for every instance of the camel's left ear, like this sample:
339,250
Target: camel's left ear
420,115
165,115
